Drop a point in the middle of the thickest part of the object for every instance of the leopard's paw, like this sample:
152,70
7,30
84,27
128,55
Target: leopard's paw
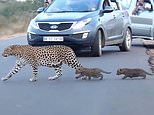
33,79
4,78
84,78
53,78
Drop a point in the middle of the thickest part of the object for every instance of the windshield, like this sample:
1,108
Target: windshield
125,3
73,6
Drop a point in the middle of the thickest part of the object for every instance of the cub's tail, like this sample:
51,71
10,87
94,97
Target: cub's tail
105,72
100,70
148,73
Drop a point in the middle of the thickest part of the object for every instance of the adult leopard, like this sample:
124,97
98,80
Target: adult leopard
50,56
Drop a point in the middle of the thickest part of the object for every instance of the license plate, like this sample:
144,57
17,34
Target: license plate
53,38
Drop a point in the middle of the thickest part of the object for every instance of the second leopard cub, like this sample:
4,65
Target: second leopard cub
88,73
131,73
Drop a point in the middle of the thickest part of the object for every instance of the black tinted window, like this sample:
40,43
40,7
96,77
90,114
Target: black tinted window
73,6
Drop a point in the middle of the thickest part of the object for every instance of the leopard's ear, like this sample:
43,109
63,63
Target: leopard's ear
9,47
77,71
79,68
119,70
12,47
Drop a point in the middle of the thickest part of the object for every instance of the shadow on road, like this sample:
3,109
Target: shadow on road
87,53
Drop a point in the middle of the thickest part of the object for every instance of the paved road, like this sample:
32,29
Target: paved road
68,96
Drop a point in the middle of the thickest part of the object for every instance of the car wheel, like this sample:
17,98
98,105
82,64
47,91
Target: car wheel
96,49
127,42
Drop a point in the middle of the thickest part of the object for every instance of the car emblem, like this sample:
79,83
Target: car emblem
53,26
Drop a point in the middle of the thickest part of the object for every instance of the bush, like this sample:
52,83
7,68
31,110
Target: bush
3,21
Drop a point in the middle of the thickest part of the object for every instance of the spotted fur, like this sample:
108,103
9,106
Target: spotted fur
88,73
131,73
50,56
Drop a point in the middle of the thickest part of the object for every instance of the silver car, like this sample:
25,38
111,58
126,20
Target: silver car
81,24
143,21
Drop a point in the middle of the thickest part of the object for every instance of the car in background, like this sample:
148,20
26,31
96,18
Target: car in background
81,24
143,22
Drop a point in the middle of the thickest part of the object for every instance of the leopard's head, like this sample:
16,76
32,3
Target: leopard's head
79,70
8,51
119,71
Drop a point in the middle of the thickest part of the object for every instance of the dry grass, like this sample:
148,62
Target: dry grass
15,24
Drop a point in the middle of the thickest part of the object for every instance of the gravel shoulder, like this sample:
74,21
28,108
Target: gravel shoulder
149,44
6,37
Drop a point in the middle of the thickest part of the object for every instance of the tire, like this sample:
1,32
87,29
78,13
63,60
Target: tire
127,42
96,49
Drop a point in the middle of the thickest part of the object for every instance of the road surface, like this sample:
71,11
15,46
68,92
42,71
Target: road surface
68,96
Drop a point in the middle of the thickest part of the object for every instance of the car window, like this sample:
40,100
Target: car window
125,3
142,6
148,5
105,4
114,5
73,6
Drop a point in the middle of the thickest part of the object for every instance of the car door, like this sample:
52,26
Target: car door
110,22
107,20
142,23
119,16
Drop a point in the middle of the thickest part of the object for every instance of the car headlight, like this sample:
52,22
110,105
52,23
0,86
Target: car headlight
82,23
34,24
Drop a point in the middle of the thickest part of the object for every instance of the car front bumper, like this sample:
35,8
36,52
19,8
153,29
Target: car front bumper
76,40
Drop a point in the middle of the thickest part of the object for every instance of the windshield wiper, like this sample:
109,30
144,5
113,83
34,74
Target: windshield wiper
61,11
85,11
68,11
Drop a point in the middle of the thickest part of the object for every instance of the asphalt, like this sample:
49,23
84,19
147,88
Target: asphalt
68,96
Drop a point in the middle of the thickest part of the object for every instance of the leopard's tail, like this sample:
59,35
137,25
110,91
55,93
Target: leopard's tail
71,59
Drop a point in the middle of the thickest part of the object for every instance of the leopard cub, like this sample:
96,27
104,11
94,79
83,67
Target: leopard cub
88,73
131,73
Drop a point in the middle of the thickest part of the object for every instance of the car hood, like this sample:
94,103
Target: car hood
62,17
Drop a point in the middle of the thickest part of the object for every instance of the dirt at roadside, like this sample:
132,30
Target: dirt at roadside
6,37
149,44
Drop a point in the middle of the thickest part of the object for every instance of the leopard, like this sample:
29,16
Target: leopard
132,73
53,56
88,73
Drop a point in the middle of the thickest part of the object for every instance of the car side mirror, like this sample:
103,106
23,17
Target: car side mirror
41,9
108,9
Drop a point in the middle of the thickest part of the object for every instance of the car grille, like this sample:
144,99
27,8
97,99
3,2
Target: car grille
54,27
